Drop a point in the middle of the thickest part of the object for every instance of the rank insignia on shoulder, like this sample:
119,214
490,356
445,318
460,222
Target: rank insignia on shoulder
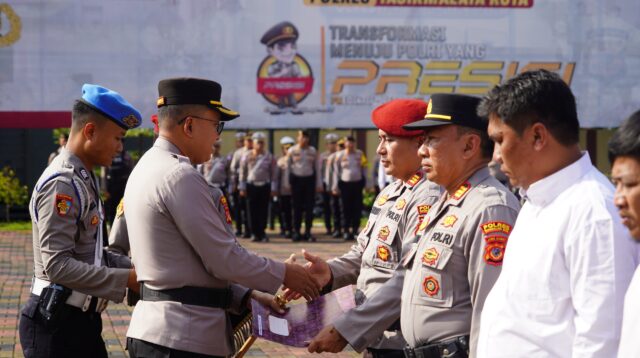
383,253
84,174
94,220
494,250
414,179
495,226
382,200
120,208
431,286
400,204
461,191
430,257
225,206
63,204
423,209
449,221
383,234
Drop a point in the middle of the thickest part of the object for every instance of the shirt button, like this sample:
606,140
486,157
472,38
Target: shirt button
445,352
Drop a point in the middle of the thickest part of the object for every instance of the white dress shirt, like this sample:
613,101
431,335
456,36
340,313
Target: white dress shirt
629,340
566,269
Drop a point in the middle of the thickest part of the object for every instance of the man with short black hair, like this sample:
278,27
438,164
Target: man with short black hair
73,276
624,155
181,245
569,260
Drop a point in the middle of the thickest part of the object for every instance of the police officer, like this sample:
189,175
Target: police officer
73,277
257,181
336,203
331,142
284,188
304,179
187,259
458,257
349,179
394,218
116,176
240,203
216,170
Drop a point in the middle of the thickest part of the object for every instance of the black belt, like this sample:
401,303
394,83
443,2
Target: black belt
457,347
385,353
189,295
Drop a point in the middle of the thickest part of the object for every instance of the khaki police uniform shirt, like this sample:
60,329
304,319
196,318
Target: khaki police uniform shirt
65,213
323,164
302,162
180,239
349,167
234,167
258,169
282,175
456,261
216,171
395,216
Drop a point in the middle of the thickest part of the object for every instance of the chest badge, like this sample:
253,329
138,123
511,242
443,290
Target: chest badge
94,220
430,257
423,209
382,200
431,286
63,204
449,221
401,204
383,253
383,234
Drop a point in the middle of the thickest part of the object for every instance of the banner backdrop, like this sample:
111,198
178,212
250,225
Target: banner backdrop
315,63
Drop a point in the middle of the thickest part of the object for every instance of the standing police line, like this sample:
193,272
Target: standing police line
448,264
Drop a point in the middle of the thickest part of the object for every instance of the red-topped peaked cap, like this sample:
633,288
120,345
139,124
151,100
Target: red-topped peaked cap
392,115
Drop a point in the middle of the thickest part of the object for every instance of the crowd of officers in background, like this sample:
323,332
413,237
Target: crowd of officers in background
260,184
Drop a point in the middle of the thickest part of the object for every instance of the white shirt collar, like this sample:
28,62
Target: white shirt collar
548,188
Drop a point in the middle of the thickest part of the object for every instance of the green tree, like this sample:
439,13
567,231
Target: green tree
12,192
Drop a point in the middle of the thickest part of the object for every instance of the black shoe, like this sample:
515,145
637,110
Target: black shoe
345,236
246,235
349,237
288,235
308,237
296,237
255,238
337,234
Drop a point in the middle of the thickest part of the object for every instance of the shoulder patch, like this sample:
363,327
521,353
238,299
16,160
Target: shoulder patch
225,206
461,191
494,250
120,208
491,227
84,174
63,204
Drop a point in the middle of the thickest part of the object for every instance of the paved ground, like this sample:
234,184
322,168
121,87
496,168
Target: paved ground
15,279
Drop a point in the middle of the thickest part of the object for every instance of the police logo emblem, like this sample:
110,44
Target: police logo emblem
430,257
383,234
383,253
494,251
63,204
431,286
94,220
130,121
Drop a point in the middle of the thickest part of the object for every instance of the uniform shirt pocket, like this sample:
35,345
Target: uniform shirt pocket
435,287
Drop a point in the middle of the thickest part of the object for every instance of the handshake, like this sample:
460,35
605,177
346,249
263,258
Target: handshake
305,280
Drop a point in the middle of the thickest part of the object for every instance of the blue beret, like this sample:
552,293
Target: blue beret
111,105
